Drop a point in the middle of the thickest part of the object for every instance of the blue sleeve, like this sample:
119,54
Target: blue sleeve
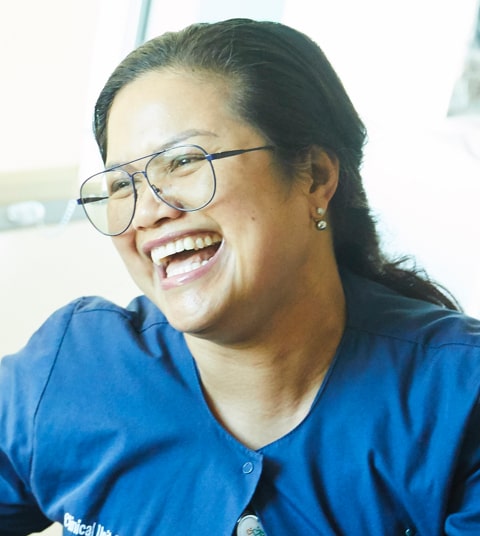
463,518
23,378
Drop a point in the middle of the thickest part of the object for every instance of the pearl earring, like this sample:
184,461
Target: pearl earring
321,224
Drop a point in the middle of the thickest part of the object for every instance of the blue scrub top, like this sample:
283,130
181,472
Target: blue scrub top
105,429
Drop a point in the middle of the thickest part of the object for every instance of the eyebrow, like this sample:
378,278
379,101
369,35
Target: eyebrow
178,139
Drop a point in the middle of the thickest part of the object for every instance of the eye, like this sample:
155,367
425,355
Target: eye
119,183
185,160
176,162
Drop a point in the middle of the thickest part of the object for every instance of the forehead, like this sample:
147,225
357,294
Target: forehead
153,109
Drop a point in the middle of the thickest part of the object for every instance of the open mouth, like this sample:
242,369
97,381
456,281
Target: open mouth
186,254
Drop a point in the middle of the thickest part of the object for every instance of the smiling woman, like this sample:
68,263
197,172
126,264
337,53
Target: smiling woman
272,330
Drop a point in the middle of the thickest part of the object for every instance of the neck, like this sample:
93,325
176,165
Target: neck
262,388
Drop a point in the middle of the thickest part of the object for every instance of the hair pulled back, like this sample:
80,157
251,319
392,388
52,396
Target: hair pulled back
284,86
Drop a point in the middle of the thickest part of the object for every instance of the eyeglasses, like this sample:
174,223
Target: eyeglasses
183,177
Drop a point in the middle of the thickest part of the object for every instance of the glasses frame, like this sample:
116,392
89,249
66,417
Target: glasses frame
209,157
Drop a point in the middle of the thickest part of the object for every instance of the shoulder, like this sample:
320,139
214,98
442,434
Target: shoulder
93,315
90,316
74,334
141,313
380,311
412,346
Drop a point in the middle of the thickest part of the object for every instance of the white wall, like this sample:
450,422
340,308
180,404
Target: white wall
43,269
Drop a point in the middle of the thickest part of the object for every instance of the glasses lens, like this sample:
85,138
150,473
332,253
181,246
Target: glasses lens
183,177
109,201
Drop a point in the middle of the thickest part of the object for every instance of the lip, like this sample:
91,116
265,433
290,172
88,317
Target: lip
180,279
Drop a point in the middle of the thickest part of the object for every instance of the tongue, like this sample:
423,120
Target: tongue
188,260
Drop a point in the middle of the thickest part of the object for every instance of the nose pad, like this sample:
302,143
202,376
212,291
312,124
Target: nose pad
150,209
173,203
156,191
153,189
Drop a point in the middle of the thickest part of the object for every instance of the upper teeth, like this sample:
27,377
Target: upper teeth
160,253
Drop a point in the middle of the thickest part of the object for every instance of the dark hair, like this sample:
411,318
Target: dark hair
285,87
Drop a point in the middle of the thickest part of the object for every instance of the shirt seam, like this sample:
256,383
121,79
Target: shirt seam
42,394
412,341
123,313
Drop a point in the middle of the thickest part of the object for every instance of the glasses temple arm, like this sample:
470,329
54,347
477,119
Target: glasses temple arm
84,201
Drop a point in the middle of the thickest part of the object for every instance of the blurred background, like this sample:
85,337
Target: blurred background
412,69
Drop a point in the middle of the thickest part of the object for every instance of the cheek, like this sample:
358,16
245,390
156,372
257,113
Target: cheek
125,246
139,267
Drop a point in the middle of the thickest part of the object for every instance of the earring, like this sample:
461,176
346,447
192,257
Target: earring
321,224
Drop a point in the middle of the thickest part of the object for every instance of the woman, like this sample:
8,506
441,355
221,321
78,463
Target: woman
280,375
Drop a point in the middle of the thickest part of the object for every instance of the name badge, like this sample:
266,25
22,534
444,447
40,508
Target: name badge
249,525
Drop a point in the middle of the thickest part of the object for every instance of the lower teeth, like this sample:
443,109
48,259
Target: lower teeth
184,269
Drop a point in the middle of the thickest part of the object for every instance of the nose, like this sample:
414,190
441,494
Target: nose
149,208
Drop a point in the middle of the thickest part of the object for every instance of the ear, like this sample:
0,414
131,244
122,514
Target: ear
324,175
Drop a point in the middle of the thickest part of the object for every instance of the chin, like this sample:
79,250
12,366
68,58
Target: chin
184,313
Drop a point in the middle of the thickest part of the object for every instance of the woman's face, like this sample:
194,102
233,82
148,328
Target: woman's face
255,247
